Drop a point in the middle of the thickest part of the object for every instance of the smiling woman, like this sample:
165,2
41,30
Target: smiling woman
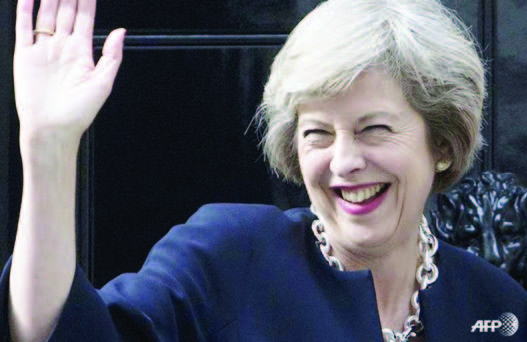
353,154
372,105
368,176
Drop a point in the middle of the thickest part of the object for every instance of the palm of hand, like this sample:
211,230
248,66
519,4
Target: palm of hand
57,86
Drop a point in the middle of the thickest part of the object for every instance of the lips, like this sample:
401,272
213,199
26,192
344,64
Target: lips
360,195
363,199
363,194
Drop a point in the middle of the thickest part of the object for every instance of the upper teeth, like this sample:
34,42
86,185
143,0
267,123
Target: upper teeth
362,194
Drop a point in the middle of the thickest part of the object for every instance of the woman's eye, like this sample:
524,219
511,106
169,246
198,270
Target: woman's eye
374,128
308,132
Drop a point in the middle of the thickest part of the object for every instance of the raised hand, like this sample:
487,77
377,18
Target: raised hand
58,88
58,91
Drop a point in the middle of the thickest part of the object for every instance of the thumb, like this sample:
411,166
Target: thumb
112,55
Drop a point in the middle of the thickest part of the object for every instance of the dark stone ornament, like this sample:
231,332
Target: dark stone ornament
486,215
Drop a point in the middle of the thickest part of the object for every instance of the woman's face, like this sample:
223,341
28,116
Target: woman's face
366,164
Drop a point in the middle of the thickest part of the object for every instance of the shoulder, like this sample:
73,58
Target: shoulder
469,291
247,213
226,225
480,279
250,220
461,262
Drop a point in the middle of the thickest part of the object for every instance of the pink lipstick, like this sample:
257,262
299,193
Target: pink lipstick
362,208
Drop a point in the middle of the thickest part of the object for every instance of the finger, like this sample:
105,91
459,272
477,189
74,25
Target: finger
112,55
66,16
24,23
85,18
46,18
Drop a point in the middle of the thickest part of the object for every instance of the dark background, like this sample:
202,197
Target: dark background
175,133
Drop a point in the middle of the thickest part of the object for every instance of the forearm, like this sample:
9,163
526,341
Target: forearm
58,91
44,262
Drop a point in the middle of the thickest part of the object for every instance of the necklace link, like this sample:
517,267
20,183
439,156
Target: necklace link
426,274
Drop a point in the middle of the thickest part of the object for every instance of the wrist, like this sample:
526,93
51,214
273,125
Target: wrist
49,141
53,151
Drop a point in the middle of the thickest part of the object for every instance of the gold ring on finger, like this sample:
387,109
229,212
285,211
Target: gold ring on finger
44,31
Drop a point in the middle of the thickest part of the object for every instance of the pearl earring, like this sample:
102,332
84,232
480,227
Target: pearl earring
442,166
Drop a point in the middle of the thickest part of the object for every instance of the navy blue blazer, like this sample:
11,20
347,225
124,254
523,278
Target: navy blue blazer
254,273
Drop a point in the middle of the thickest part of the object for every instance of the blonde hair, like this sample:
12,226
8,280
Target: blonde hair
420,43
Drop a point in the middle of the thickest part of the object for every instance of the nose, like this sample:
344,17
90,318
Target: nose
347,156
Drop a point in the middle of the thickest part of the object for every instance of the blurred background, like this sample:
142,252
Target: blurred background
176,132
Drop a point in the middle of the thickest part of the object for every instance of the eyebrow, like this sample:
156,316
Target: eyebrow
313,121
364,118
373,115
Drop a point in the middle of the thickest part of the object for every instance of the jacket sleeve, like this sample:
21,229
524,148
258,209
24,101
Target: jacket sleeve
83,305
184,292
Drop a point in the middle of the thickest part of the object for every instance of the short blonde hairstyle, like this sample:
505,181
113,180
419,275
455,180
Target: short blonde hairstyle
420,43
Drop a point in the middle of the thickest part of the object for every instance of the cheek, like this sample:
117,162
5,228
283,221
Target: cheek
391,160
409,152
309,168
413,167
313,165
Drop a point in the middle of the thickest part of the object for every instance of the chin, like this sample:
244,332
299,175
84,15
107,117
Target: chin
366,238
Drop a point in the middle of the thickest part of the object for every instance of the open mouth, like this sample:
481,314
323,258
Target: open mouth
363,195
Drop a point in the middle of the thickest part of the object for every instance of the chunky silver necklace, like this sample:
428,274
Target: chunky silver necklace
426,274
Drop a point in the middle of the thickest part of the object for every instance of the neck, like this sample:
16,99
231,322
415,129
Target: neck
394,279
395,284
